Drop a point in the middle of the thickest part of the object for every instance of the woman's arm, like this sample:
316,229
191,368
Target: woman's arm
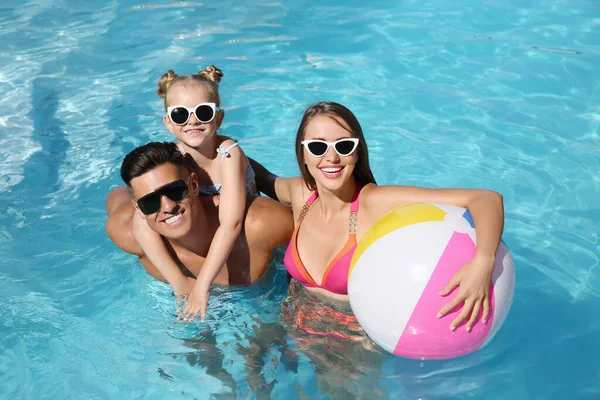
265,179
485,206
231,216
274,186
487,209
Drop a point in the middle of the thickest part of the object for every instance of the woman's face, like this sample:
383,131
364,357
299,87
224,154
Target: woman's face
331,171
194,132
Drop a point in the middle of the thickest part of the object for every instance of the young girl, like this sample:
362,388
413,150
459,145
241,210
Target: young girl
193,115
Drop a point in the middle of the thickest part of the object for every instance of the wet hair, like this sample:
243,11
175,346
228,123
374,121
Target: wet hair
362,171
209,77
149,156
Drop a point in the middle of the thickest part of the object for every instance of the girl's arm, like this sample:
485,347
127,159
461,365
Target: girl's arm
231,215
155,250
487,209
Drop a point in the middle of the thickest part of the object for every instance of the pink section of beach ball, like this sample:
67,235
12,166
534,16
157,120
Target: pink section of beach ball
429,337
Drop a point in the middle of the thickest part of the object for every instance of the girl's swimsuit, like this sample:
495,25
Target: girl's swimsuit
335,278
212,190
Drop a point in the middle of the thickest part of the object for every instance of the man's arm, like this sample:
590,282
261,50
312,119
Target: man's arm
151,269
270,224
119,224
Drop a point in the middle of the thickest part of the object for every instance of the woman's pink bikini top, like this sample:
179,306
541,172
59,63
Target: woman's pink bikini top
335,278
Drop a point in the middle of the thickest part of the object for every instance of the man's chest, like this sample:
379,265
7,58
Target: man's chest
194,263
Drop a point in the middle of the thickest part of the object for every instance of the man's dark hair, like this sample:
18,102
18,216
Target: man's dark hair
149,156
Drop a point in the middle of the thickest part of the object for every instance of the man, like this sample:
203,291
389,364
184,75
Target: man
159,182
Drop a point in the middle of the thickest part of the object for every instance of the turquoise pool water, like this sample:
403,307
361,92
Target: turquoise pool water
497,94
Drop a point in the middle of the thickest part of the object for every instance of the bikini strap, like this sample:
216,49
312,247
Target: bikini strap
354,204
306,206
312,198
353,217
225,151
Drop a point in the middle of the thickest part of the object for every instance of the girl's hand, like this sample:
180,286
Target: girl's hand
195,304
182,293
474,280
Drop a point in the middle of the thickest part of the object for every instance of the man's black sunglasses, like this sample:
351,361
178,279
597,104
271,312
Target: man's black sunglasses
176,191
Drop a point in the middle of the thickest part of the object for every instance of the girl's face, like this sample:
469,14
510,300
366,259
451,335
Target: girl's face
193,133
331,171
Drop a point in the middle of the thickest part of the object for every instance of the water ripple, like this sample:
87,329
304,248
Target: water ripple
501,95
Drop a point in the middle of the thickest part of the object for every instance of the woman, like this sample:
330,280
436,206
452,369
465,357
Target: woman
336,200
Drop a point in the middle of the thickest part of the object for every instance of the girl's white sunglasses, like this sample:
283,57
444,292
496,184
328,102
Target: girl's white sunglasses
204,112
318,148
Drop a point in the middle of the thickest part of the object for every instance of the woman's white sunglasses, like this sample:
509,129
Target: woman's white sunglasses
204,112
318,148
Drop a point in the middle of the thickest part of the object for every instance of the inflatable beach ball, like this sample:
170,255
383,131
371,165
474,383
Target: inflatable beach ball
400,266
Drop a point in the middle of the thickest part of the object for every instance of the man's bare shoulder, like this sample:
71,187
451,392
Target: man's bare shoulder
265,209
269,221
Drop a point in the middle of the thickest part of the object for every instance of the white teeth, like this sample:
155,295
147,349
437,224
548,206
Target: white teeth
331,170
173,219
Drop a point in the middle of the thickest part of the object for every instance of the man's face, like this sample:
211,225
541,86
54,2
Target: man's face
162,185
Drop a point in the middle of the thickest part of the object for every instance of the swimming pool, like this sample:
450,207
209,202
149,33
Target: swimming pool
502,95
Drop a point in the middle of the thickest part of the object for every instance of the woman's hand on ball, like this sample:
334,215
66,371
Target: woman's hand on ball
473,281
